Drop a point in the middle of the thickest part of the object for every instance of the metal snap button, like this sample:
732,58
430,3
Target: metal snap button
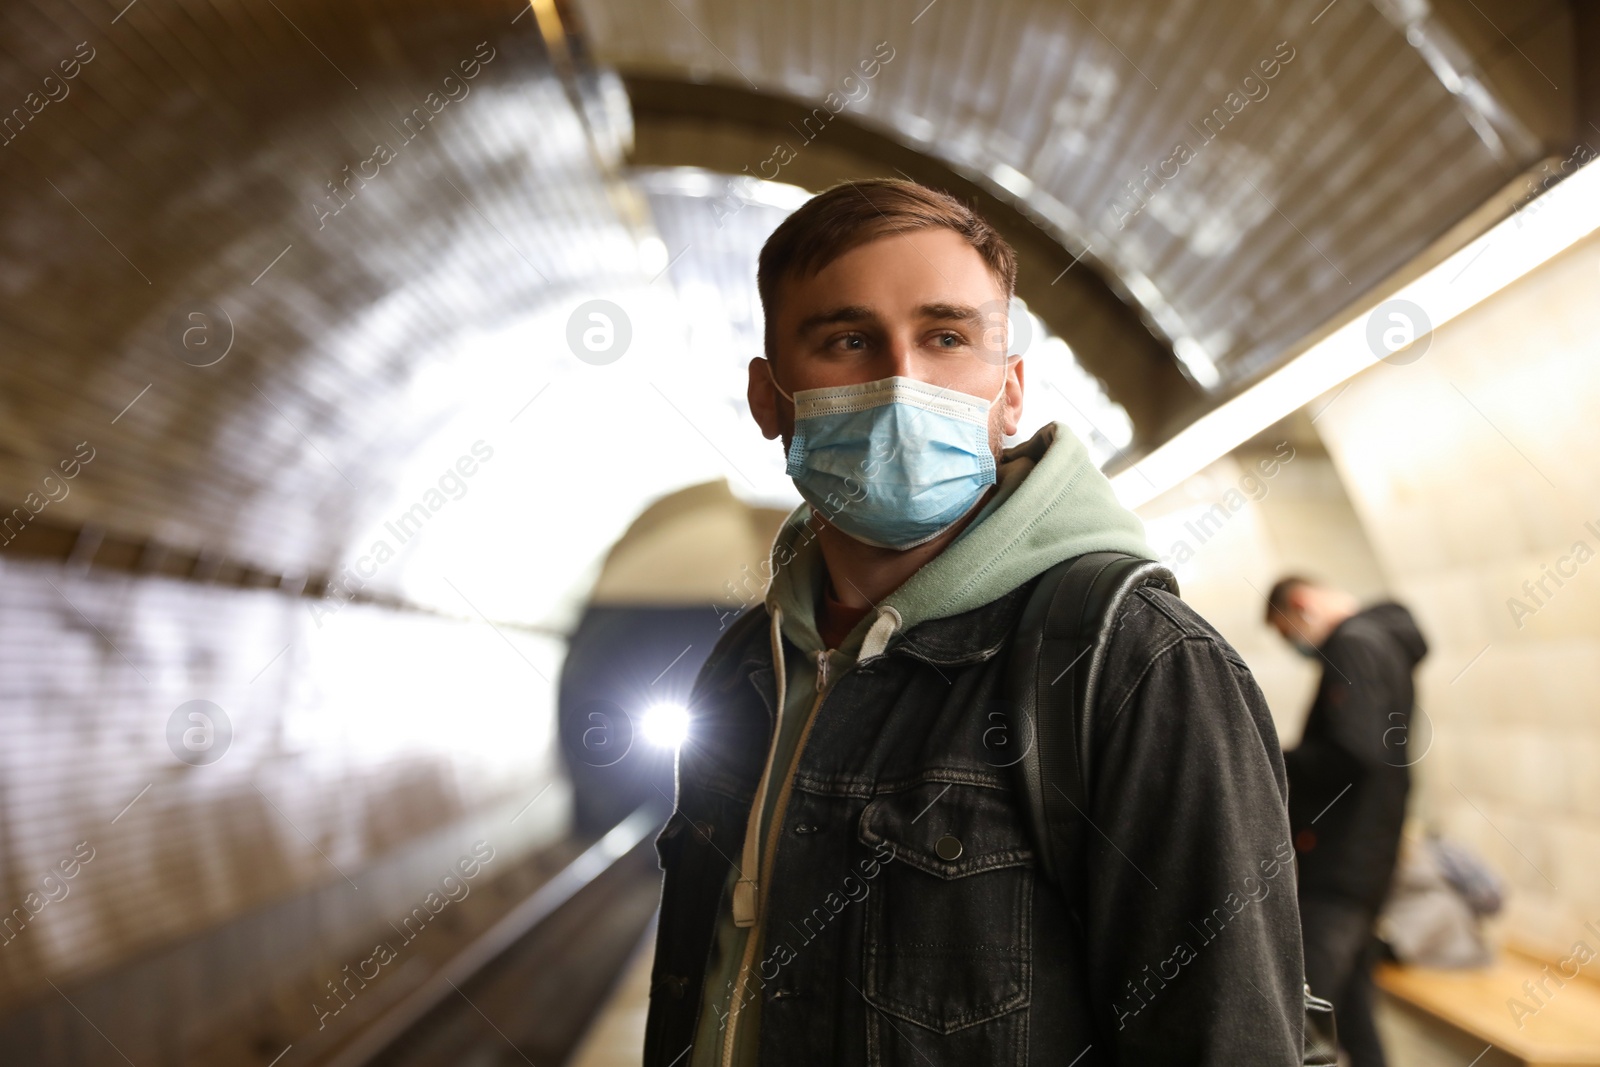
948,848
804,828
706,829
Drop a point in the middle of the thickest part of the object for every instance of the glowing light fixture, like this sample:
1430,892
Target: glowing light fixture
666,725
1536,233
652,256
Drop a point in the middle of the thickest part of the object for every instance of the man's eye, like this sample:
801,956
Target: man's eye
852,342
949,340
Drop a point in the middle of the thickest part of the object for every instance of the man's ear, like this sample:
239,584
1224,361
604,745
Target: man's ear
1013,397
763,398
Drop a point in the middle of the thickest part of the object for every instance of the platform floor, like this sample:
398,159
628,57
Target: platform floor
616,1037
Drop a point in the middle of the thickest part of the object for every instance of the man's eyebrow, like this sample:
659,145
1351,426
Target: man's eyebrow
951,313
833,316
939,312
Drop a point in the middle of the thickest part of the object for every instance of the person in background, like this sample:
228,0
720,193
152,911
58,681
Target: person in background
1348,781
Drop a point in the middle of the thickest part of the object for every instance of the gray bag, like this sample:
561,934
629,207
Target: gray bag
1429,920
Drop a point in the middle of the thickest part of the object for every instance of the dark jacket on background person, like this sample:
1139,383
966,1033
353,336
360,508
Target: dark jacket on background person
1350,774
903,917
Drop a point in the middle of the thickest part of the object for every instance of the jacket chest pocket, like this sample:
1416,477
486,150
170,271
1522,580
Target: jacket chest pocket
948,932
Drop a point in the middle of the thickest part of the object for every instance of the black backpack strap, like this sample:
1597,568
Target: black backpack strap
1057,657
1053,682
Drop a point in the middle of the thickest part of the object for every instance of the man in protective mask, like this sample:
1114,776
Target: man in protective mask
849,874
1348,780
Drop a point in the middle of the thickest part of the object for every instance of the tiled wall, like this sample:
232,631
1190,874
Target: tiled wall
355,743
1447,482
1474,470
1273,507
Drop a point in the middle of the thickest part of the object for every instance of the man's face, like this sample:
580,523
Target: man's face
920,305
1306,619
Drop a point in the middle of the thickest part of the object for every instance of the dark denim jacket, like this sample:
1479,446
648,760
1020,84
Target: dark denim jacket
907,922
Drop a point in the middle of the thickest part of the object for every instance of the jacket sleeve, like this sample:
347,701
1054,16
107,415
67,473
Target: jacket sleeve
1190,913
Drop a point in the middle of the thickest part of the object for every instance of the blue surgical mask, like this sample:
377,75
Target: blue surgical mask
893,463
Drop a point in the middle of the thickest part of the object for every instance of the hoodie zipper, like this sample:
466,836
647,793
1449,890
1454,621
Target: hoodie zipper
768,857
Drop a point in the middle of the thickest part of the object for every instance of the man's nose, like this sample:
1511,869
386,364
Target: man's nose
900,357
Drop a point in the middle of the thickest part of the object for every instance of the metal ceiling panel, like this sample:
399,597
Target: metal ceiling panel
1245,170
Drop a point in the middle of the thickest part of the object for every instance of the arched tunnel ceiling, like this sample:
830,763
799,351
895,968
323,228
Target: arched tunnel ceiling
723,128
292,273
1320,145
712,229
373,224
377,313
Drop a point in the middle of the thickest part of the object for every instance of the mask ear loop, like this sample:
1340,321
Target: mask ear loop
787,396
1005,376
792,456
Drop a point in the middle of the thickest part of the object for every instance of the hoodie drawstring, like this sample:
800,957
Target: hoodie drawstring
877,638
747,889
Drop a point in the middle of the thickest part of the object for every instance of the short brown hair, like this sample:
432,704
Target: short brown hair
851,214
1278,599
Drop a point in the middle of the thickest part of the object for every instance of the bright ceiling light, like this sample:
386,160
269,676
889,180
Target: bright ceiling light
666,725
652,256
1533,235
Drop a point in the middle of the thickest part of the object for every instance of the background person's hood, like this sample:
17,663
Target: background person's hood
1053,503
1396,621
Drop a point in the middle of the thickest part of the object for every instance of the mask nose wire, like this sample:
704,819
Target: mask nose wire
790,397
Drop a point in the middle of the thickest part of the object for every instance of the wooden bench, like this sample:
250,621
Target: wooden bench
1563,1031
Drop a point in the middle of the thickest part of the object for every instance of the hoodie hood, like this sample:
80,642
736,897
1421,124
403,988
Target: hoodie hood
1396,621
1052,503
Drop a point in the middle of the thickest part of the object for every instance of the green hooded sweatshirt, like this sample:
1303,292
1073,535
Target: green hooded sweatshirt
1052,503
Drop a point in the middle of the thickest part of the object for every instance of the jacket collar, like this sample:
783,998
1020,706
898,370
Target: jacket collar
970,637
